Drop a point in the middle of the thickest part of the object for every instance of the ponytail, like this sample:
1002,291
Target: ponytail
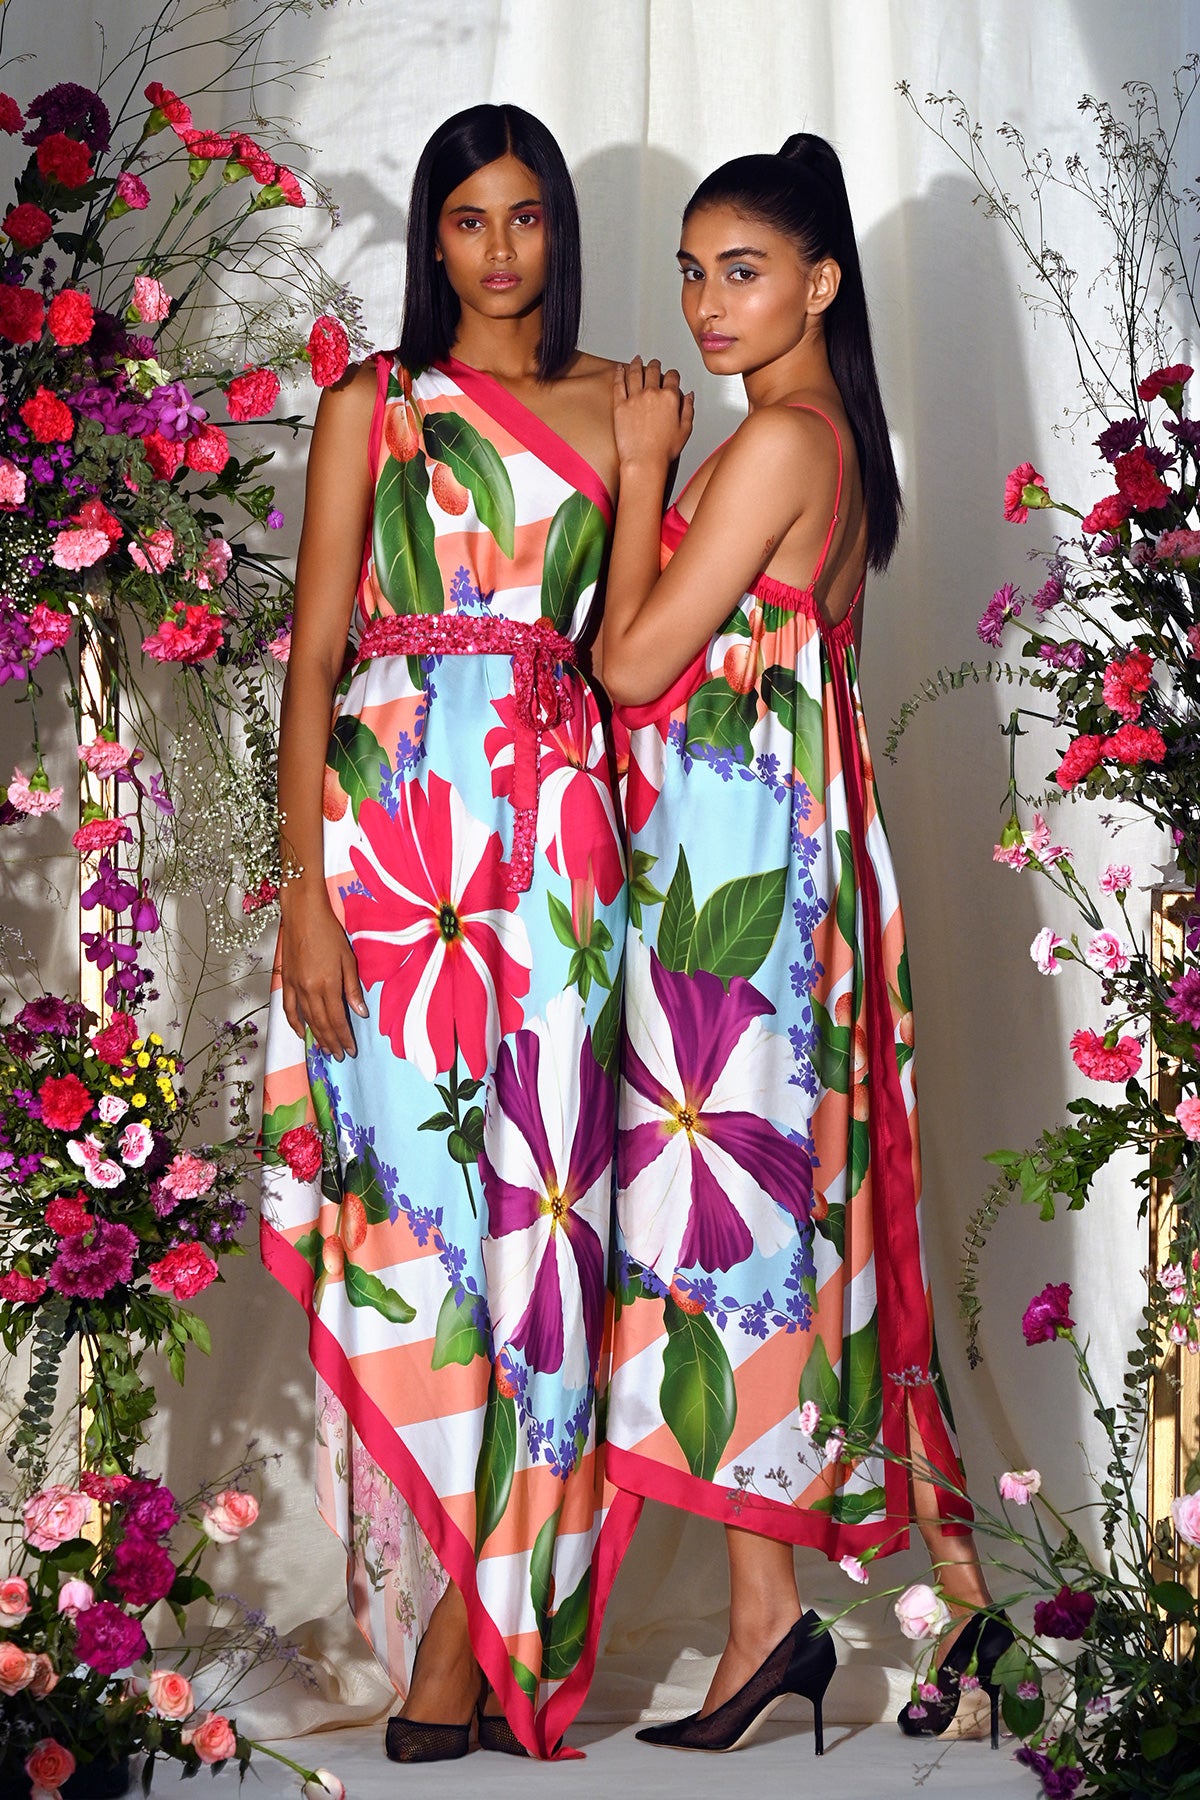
802,193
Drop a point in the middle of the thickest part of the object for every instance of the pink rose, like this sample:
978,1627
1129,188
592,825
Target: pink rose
151,301
17,1668
228,1514
921,1612
1188,1115
1020,1485
45,1676
54,1516
49,1764
1043,949
74,1597
323,1784
213,1739
169,1694
14,1600
1186,1513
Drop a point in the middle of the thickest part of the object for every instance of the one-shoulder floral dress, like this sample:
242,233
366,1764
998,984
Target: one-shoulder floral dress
440,1203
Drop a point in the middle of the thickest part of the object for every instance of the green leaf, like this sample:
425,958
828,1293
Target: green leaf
462,1149
365,1289
818,1381
541,1570
309,1247
678,921
1013,1667
497,1461
1022,1716
808,742
861,1402
275,1123
322,1109
196,1329
606,1031
525,1679
831,1051
852,1508
406,565
567,1629
904,981
362,1178
358,760
697,1396
458,1338
847,895
574,552
860,1156
778,688
1173,1597
833,1226
737,924
560,921
719,717
450,439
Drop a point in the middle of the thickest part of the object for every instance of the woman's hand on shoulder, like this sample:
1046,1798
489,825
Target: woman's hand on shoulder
652,415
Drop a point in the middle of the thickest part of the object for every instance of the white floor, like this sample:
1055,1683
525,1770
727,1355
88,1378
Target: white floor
861,1762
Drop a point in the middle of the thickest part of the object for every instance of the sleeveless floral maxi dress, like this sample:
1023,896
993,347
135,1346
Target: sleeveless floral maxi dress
440,1203
769,1242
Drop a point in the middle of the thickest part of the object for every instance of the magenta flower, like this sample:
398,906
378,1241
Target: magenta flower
1183,1003
1058,1783
107,1639
91,1262
142,1570
705,1176
1067,1615
1046,1316
150,1509
1005,604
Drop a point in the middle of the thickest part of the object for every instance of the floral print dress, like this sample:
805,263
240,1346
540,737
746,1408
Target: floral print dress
769,1229
441,1202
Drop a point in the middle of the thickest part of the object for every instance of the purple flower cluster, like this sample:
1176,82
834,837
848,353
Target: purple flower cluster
168,409
91,1262
1062,656
1183,1002
50,1014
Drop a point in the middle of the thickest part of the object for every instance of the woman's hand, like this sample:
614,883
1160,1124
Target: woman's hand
320,975
652,416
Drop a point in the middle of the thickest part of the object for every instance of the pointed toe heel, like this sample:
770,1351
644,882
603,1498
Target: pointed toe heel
802,1663
982,1642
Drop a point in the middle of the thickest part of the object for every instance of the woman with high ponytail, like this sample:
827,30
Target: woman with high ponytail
774,1359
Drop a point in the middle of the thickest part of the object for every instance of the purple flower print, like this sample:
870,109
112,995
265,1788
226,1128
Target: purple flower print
705,1176
546,1173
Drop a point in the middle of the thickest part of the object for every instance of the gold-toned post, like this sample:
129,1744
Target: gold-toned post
1174,1412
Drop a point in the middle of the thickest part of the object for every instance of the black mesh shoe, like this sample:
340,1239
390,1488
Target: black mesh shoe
412,1741
983,1639
803,1663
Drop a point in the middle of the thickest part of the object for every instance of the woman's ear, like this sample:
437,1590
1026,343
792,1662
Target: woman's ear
824,280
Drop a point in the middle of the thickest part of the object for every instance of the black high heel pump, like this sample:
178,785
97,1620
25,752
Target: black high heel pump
803,1663
984,1638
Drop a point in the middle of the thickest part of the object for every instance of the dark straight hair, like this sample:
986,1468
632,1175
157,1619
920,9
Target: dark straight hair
460,146
802,193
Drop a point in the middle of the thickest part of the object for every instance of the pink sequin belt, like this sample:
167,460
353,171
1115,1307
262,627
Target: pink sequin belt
540,691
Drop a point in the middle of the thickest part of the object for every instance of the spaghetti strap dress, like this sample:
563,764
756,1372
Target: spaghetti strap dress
440,1203
769,1221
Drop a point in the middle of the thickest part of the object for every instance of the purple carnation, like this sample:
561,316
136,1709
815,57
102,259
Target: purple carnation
91,1262
51,1014
73,109
1118,437
1187,431
107,1639
1067,1615
1183,1003
150,1509
142,1570
1047,1315
1057,1783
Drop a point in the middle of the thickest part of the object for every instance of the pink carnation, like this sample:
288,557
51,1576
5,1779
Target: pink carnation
199,636
1178,546
50,626
101,834
1107,515
189,1176
328,350
252,394
1101,1061
1023,476
22,1290
208,451
1116,878
1175,375
155,551
1134,744
12,485
1187,1115
103,757
32,800
1107,954
1043,949
70,318
79,549
1020,1485
300,1149
214,564
151,301
132,190
1127,682
184,1271
280,646
1081,757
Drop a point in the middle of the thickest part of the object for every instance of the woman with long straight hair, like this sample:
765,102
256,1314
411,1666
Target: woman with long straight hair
770,1277
439,1163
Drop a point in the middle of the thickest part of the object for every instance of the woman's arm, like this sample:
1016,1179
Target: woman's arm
319,973
775,464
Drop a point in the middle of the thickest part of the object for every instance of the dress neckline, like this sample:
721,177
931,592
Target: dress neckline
489,392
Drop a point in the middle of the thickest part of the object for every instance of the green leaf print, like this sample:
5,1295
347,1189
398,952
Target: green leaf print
737,924
402,543
720,718
541,1570
606,1033
275,1123
861,1404
859,1156
362,1178
561,922
642,891
565,1630
846,905
525,1679
574,551
497,1461
678,921
852,1508
833,1226
365,1289
358,759
808,743
457,1339
697,1396
309,1247
778,688
904,982
450,439
831,1051
818,1381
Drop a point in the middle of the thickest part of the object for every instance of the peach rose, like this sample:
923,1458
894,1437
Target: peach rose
14,1600
213,1739
228,1515
17,1668
169,1694
49,1764
922,1614
1186,1513
55,1516
45,1676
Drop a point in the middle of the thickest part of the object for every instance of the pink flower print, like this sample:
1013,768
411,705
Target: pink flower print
99,1171
436,929
135,1144
577,826
641,756
546,1173
705,1176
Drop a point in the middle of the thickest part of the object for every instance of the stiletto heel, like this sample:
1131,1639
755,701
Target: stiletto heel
801,1663
982,1641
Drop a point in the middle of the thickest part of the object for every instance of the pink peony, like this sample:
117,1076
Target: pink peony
48,1765
213,1739
155,551
189,1176
32,800
151,301
921,1612
14,1600
228,1514
1016,506
1020,1485
1046,1317
184,1271
1185,1511
1107,954
1187,1114
55,1515
169,1694
12,485
1043,949
1099,1060
1116,878
132,190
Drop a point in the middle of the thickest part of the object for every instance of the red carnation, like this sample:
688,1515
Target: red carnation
163,454
184,1271
1160,379
65,160
65,1102
1139,482
49,420
1107,514
95,515
24,1290
208,451
11,117
22,314
199,635
70,318
252,394
1081,758
176,112
289,187
300,1149
1134,744
105,1488
255,159
112,1045
68,1214
328,350
28,226
1127,682
1023,476
207,146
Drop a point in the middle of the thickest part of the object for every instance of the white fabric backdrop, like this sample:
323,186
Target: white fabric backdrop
646,96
